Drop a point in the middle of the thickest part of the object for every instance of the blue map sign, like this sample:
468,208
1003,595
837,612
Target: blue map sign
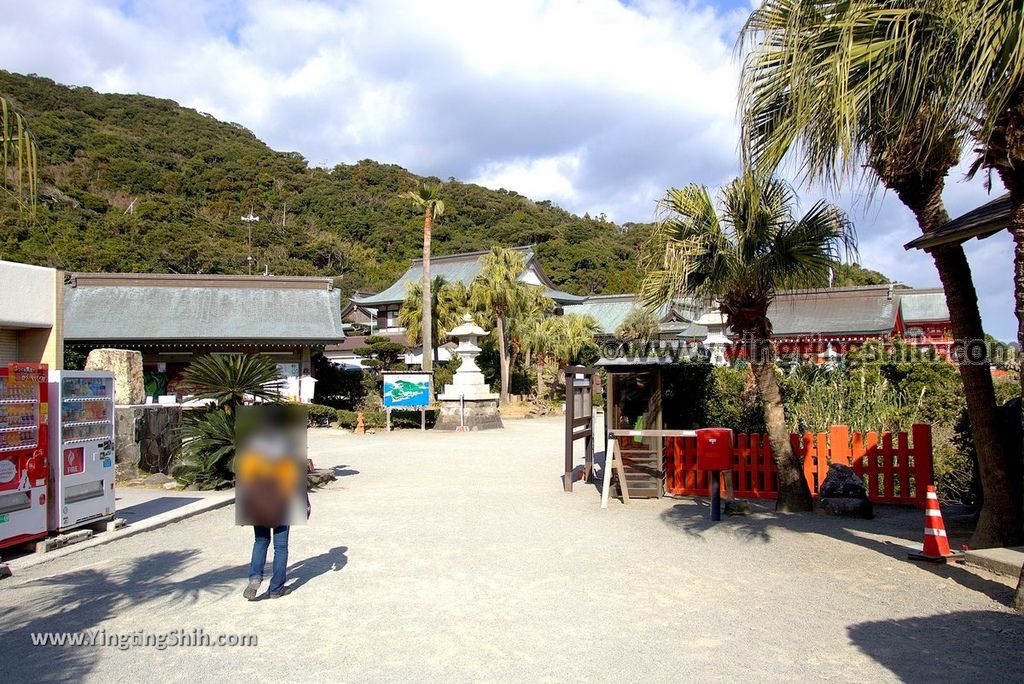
411,390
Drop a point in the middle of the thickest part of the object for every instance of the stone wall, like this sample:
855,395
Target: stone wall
146,439
480,415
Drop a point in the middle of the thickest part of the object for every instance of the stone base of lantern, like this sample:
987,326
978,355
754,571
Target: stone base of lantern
481,414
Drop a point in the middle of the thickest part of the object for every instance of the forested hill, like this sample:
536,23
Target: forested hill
135,183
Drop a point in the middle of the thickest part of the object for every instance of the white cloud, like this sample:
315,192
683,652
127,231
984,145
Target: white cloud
598,105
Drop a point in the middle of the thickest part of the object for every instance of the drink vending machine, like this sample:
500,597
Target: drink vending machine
81,448
23,453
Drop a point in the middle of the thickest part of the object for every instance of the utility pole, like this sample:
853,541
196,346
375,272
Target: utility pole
249,219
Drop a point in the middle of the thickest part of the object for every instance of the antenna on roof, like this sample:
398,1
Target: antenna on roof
249,219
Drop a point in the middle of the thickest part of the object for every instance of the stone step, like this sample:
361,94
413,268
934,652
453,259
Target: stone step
1001,561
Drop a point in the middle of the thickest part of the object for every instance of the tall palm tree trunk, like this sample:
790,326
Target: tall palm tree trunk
428,314
999,522
794,492
503,361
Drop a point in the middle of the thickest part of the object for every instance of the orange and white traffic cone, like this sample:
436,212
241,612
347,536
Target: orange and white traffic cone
936,545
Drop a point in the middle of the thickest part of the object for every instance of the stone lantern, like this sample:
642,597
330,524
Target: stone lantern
468,401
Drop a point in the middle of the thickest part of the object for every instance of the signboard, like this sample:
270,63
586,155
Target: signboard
407,389
74,461
28,372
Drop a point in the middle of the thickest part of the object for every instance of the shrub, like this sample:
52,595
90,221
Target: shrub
320,416
207,449
378,419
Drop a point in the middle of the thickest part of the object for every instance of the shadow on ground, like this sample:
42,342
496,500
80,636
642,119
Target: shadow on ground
692,517
83,600
148,509
329,561
344,471
945,648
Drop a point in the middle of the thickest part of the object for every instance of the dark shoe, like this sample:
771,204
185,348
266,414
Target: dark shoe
251,589
283,591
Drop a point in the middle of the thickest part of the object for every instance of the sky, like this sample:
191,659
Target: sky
596,105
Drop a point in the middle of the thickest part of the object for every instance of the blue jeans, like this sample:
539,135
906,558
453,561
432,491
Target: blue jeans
259,555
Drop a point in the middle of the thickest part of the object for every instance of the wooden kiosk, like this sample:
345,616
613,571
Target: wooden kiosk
634,404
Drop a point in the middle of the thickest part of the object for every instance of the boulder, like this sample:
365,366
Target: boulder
126,366
843,494
847,507
841,481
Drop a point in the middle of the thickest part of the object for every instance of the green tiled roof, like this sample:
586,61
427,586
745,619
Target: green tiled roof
135,312
923,305
462,268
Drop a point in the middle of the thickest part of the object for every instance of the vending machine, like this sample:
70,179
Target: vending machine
23,457
81,448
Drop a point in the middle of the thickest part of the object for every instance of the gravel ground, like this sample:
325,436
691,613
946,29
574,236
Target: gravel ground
457,557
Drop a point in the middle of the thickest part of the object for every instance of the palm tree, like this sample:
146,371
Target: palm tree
572,335
740,259
639,326
448,303
18,156
529,333
427,198
869,86
499,295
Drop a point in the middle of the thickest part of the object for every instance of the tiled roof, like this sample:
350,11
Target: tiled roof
923,305
988,219
458,267
157,308
870,309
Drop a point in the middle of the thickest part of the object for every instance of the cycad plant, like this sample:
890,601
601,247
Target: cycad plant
208,436
740,259
230,379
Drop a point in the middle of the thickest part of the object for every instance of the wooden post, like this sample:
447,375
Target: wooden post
569,429
423,418
923,473
387,414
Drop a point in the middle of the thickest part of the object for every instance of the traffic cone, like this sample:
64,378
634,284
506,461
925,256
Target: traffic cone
936,545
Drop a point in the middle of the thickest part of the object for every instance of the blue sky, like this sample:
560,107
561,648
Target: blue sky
598,106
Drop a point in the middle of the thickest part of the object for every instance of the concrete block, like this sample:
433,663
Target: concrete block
62,540
1003,561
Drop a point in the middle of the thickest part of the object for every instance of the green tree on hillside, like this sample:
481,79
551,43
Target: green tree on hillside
740,258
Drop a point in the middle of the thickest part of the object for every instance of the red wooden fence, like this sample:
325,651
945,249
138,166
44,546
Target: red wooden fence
894,473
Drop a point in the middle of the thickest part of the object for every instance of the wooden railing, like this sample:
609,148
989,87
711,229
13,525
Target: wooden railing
895,469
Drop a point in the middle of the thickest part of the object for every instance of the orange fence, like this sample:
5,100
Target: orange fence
894,470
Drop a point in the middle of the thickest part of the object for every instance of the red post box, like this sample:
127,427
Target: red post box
714,449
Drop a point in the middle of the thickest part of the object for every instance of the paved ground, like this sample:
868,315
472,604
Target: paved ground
451,557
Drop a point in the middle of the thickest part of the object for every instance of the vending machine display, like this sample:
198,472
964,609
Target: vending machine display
81,448
24,470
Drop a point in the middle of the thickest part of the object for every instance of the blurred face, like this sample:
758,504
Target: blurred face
270,465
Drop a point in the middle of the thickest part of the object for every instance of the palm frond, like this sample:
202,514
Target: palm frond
229,379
